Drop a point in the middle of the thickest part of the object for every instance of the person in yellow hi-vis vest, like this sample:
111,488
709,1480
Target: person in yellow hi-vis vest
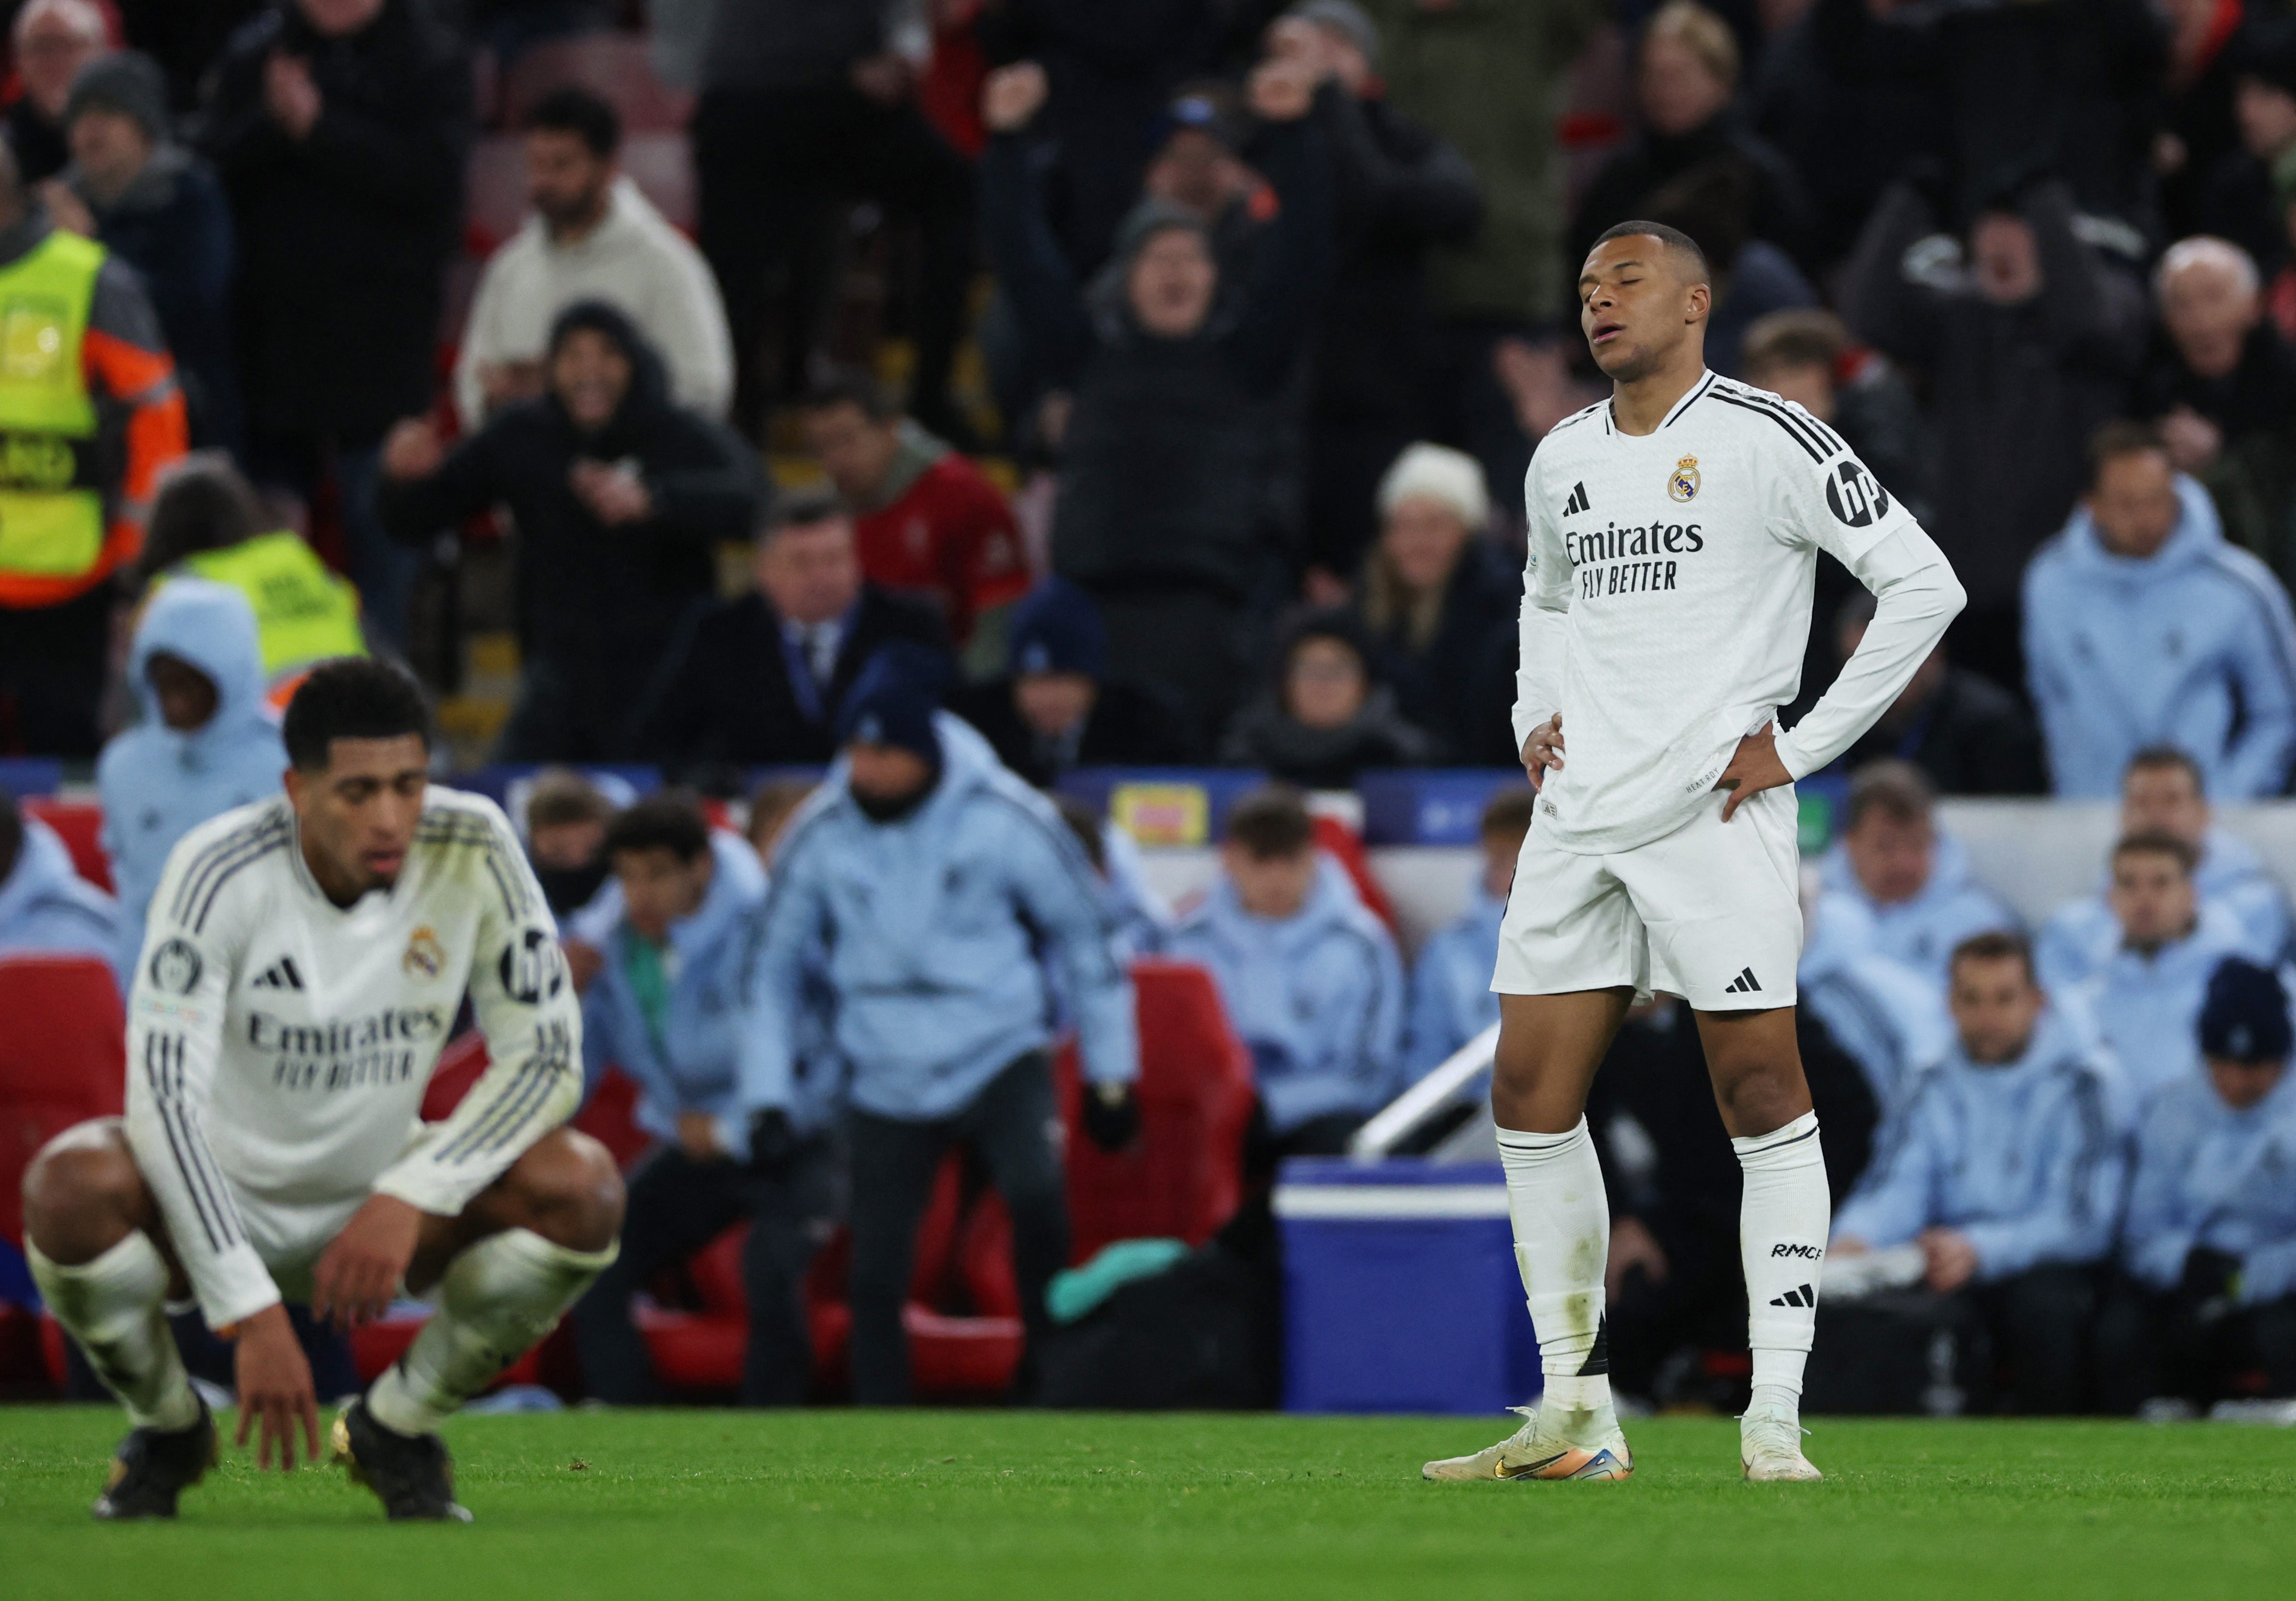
89,415
210,522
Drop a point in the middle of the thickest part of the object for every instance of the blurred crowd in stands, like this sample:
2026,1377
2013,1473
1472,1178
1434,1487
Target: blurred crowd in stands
971,391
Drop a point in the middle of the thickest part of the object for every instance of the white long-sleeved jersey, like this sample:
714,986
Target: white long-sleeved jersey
1667,600
279,1045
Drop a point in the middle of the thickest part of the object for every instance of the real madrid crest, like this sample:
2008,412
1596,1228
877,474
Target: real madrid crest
424,955
1683,483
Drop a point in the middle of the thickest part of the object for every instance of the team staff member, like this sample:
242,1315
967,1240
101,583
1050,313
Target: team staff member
934,878
89,415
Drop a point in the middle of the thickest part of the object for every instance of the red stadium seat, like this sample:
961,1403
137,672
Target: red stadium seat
616,67
1347,847
63,1057
79,823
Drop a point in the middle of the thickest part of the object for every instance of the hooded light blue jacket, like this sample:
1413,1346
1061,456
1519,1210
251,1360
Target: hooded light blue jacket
693,1066
158,784
933,926
48,909
1451,997
2207,1175
2147,1010
2080,936
1317,997
1922,930
1890,1019
2192,646
2026,1158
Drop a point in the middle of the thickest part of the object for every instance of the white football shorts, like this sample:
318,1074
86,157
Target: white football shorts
1711,912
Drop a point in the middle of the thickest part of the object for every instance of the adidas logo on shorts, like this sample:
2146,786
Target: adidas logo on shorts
1743,984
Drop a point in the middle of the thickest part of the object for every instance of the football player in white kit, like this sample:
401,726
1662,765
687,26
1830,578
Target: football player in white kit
1674,535
303,963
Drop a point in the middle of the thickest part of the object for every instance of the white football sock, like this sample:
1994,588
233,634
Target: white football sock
115,1306
1561,1245
1783,1227
498,1300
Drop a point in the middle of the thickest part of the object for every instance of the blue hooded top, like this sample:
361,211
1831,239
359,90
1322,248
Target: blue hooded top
1890,1019
2208,1175
1921,931
2081,935
48,909
158,784
2194,647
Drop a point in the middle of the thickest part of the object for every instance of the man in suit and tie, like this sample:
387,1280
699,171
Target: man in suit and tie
757,681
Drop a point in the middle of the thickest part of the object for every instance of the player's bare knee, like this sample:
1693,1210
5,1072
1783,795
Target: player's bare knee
569,1191
1761,1098
81,1193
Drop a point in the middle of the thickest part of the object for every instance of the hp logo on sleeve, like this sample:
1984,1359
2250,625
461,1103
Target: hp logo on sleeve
1855,497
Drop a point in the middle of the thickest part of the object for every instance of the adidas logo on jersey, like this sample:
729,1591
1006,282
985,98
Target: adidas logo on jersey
1805,1296
280,976
1743,984
1578,501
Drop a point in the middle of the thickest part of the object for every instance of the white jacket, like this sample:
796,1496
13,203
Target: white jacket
632,258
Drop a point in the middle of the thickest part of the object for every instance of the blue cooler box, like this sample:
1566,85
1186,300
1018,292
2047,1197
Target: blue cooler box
1399,1289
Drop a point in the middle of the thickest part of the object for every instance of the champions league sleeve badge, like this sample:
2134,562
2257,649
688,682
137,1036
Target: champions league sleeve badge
175,967
1683,483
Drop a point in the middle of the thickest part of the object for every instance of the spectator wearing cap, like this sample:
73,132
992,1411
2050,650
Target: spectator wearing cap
1964,732
1913,882
2143,999
666,1008
940,885
592,236
1401,190
1326,717
1172,505
2209,1240
2142,627
2163,791
2005,1169
46,908
927,522
1309,977
160,209
1058,709
1436,597
2026,345
341,128
620,500
51,40
760,680
1451,999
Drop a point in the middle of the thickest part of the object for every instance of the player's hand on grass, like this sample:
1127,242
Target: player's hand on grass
1632,1245
358,1274
1952,1259
1543,749
1753,769
275,1390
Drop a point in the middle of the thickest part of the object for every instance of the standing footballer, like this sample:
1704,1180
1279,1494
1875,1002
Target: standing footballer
304,961
1675,530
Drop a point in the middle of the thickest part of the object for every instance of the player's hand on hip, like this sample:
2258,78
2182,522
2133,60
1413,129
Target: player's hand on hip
358,1274
1543,749
275,1389
1754,768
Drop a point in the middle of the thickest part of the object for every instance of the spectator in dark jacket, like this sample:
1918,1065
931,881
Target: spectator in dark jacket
1685,76
2199,127
1167,477
341,128
620,500
53,40
1967,732
1059,710
161,209
1400,192
1326,717
2237,199
1436,592
757,681
2025,351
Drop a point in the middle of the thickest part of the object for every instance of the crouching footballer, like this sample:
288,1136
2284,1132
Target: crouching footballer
303,965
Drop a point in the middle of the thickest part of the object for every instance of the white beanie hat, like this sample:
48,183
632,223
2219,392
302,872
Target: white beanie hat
1437,473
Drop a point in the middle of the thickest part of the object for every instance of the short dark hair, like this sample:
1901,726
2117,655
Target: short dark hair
203,505
2153,758
560,796
1897,790
1667,234
2119,438
1994,945
1269,822
1085,823
2158,841
851,386
1509,811
352,697
671,820
1799,336
806,507
575,110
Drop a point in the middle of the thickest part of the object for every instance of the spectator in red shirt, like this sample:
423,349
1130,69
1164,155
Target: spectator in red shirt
928,523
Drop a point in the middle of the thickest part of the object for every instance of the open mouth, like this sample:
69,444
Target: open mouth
1603,332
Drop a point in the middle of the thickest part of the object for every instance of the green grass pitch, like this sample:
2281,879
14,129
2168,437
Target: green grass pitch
631,1505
